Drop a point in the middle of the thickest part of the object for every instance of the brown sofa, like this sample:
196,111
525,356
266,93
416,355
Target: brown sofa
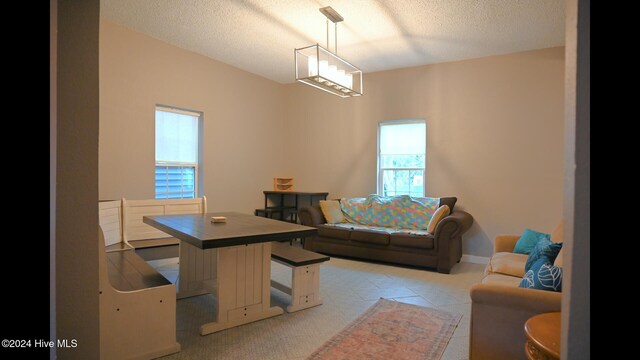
499,308
442,250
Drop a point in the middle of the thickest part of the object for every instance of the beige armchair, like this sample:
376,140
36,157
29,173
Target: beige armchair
500,308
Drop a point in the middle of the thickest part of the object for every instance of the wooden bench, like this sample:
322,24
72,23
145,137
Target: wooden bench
149,242
305,280
110,220
137,307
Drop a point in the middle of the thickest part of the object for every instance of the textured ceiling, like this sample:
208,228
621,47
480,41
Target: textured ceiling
259,35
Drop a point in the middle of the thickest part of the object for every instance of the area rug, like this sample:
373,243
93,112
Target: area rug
392,330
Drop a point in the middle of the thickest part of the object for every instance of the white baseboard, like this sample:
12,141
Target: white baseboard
475,259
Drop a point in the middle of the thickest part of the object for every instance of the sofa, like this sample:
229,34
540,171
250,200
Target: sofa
499,308
440,250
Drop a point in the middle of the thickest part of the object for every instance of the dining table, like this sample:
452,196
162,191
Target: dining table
229,259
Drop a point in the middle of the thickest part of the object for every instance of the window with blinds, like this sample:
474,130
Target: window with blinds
176,174
402,149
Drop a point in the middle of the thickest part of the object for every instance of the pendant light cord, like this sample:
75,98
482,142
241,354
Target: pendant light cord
327,33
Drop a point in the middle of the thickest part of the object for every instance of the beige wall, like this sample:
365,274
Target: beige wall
494,125
242,119
494,137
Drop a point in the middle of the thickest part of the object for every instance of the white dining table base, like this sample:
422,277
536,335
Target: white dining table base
238,276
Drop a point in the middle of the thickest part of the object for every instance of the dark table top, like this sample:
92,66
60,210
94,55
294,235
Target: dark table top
240,229
270,192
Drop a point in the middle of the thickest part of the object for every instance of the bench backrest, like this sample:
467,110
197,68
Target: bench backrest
134,210
110,220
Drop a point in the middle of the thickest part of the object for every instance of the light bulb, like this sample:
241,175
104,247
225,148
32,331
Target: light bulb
332,73
313,66
324,67
340,77
348,81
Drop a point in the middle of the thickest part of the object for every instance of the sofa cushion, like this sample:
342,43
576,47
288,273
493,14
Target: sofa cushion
370,236
332,231
407,239
543,276
556,237
528,241
507,263
449,201
332,211
500,279
442,212
544,248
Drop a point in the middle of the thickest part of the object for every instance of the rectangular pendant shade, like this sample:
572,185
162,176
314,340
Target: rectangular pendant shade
320,68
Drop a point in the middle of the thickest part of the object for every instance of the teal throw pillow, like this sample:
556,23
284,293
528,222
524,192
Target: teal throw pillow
544,248
543,276
528,240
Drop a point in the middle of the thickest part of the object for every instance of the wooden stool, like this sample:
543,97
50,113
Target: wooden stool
543,336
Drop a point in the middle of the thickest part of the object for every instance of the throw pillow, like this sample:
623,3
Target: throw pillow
442,212
543,276
331,211
528,240
544,248
556,236
558,261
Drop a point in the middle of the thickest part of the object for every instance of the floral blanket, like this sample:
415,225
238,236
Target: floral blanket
398,212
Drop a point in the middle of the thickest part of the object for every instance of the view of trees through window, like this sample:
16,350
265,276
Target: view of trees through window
402,158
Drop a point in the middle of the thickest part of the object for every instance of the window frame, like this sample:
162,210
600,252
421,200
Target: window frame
168,163
380,171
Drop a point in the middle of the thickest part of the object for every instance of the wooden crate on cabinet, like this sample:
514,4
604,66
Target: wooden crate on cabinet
283,184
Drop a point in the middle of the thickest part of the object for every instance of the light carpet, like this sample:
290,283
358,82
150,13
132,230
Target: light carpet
392,330
347,287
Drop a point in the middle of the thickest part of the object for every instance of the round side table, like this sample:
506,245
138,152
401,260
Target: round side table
543,336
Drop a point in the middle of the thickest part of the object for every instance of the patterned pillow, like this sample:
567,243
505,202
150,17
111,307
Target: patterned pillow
544,248
543,276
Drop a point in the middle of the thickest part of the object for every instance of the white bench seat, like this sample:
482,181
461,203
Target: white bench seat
140,235
137,307
128,271
121,221
137,304
305,277
154,249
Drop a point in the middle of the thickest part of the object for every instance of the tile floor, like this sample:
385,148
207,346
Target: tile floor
348,288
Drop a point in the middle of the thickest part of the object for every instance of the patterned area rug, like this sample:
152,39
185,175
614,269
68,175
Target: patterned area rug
392,330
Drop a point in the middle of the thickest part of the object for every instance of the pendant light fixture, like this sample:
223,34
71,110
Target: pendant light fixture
325,70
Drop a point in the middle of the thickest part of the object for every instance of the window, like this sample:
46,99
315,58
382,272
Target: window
401,157
176,153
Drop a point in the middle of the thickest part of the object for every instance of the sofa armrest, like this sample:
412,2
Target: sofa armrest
498,314
454,225
529,300
311,216
505,243
448,239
